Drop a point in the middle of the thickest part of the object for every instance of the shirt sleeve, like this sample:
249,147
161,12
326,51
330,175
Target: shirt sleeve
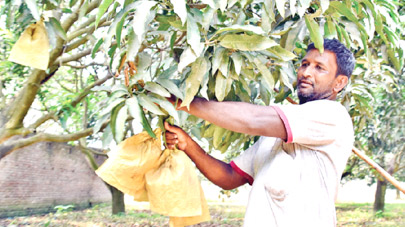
244,163
313,123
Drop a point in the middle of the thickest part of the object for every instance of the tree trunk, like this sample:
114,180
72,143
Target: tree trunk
398,194
118,204
379,200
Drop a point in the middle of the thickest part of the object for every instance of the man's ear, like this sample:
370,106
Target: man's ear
340,82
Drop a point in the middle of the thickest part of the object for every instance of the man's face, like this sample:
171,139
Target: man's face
316,76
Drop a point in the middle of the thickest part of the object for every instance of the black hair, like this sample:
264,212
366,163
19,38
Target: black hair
344,57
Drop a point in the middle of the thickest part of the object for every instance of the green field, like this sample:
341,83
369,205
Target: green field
222,215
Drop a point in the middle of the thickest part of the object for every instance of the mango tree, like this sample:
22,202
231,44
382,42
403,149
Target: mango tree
217,49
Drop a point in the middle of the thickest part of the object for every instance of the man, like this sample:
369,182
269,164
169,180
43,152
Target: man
296,165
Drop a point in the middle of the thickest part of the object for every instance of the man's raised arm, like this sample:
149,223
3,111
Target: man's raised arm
239,117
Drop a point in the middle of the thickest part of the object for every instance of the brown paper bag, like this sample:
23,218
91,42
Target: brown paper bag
136,156
185,221
174,189
32,48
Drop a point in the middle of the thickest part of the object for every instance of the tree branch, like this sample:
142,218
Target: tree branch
74,57
89,30
83,66
93,151
77,43
87,90
12,145
42,120
378,168
19,107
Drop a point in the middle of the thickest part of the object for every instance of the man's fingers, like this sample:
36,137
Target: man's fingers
170,135
172,141
171,128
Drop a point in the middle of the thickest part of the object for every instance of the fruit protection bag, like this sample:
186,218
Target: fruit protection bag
167,179
126,169
32,48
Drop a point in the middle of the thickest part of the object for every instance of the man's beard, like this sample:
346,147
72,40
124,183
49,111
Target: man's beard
304,97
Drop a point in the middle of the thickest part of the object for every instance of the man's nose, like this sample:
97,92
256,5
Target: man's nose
307,71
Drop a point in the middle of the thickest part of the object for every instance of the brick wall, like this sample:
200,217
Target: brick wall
37,178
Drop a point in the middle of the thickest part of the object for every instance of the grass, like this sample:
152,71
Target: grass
361,214
222,215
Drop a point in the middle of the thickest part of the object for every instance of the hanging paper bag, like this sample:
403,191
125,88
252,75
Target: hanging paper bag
32,48
126,169
174,189
186,221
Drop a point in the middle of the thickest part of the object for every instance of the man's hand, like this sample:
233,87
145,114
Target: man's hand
219,172
176,136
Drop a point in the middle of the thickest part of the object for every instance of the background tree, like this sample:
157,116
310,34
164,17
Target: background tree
224,50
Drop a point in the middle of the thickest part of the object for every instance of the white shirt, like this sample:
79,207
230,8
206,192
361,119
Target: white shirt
295,183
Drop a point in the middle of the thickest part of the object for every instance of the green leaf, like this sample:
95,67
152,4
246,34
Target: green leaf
187,57
314,32
137,113
281,7
58,28
168,73
142,18
222,86
107,137
157,89
209,131
120,124
330,28
303,6
194,80
217,58
266,75
96,48
224,66
100,122
119,31
168,106
32,6
347,37
102,9
246,42
171,87
345,11
111,106
209,14
237,62
236,28
179,7
204,86
148,104
282,53
118,94
134,108
113,122
218,135
342,9
133,44
66,10
120,87
241,92
193,35
72,3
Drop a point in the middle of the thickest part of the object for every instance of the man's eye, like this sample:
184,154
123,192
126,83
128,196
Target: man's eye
319,67
304,64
